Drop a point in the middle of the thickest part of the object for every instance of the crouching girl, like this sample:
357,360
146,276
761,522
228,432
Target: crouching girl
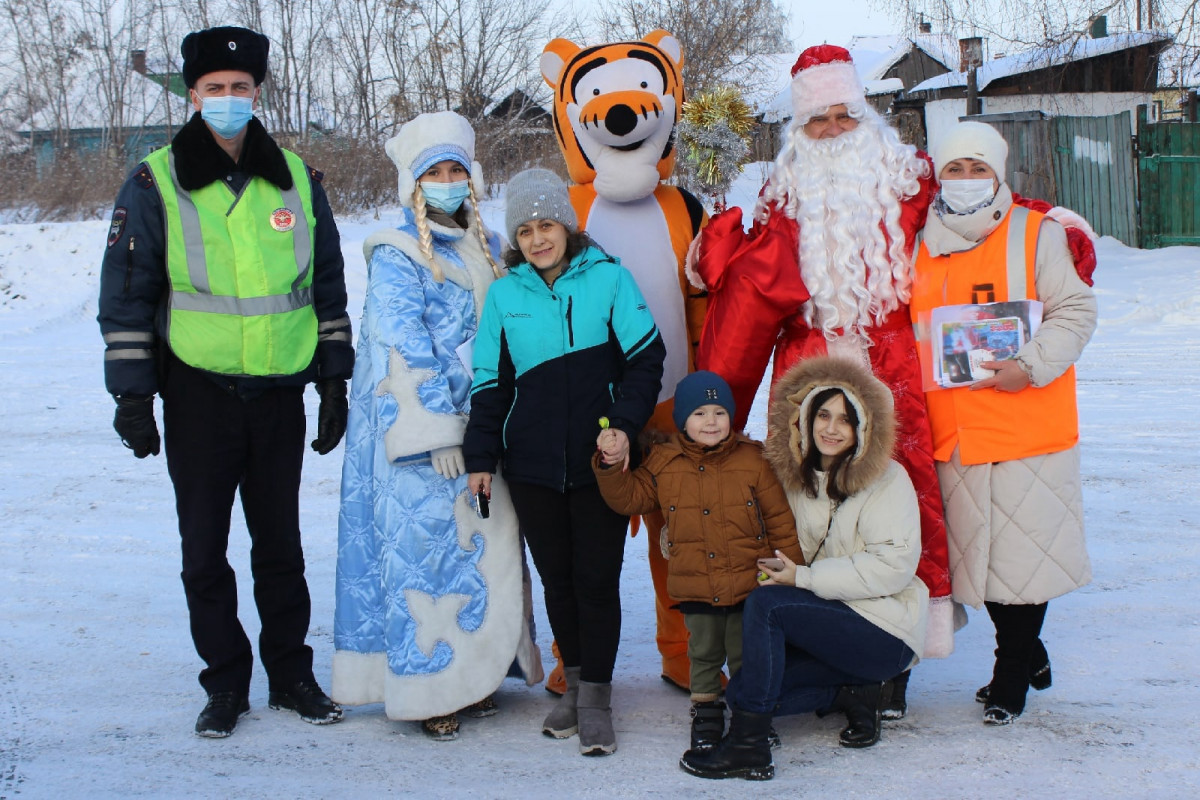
824,637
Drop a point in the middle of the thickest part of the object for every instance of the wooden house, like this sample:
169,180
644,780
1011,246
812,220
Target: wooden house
1082,77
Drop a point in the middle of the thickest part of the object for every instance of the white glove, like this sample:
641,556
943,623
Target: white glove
448,461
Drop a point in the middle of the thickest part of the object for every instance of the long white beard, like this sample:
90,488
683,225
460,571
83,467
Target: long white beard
845,194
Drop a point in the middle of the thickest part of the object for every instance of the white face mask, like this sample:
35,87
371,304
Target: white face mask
968,194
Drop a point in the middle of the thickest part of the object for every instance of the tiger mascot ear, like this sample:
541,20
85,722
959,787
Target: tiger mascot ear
615,110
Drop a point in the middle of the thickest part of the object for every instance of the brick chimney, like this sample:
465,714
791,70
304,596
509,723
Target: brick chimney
137,61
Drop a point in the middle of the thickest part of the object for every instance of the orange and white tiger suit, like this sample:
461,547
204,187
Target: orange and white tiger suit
615,110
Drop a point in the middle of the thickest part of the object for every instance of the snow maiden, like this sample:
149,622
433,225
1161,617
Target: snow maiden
430,604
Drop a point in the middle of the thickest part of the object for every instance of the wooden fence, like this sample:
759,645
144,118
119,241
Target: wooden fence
1169,176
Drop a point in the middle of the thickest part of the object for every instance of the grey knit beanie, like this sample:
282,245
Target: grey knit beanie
536,194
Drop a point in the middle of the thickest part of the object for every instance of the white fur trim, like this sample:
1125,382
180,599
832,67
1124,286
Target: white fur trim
689,265
1069,219
477,275
416,429
825,85
939,630
481,658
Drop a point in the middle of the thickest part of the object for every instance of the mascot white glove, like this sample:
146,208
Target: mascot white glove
448,461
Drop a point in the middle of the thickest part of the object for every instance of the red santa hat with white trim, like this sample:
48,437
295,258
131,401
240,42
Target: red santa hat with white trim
824,76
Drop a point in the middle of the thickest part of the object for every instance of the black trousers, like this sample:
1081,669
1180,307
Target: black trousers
1018,632
217,444
577,543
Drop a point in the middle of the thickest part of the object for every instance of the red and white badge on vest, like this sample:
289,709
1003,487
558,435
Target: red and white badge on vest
283,220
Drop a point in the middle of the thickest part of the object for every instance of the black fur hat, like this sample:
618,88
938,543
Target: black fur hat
215,49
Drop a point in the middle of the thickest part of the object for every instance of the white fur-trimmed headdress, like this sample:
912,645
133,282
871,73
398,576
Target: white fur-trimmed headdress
824,76
428,139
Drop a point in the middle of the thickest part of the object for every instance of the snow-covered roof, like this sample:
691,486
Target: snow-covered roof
1044,57
875,55
147,104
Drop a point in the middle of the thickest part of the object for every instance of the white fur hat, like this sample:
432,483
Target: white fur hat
975,140
428,139
824,76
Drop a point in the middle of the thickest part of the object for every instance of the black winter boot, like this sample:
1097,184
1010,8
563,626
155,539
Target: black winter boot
861,704
1040,677
743,753
708,724
1018,630
896,705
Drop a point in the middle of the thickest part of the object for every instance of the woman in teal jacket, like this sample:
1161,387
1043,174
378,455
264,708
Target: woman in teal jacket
566,343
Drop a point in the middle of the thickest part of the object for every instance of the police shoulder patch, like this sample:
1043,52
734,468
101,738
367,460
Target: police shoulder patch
117,226
315,174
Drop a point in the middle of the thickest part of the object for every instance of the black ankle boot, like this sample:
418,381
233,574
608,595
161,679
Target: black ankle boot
896,706
1040,677
743,753
708,724
861,704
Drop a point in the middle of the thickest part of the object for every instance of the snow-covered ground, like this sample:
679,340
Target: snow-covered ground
98,693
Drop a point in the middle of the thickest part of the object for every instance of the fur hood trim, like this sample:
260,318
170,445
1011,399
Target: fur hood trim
872,400
201,160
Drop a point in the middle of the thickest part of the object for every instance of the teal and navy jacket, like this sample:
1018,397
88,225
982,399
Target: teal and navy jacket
550,362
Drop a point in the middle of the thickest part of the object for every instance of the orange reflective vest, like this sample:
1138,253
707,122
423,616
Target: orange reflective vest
989,426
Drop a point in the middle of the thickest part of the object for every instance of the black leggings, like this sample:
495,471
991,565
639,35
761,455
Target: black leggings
1018,632
577,543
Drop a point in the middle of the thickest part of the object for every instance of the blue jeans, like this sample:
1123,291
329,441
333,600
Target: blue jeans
797,649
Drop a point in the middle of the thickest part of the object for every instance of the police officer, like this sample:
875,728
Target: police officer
222,290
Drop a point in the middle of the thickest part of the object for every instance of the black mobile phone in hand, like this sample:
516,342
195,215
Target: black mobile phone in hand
481,505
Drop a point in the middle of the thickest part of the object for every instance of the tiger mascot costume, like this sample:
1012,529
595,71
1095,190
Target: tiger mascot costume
615,110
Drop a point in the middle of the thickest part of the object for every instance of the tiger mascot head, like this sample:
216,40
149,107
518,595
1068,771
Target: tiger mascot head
615,111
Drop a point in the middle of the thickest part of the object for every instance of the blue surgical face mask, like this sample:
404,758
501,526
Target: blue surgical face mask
227,115
447,197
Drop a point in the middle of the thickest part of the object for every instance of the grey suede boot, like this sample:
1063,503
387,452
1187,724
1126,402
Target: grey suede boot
563,720
596,734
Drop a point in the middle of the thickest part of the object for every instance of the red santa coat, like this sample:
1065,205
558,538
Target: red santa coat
756,290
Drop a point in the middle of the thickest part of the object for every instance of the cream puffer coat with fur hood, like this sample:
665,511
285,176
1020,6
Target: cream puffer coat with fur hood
863,551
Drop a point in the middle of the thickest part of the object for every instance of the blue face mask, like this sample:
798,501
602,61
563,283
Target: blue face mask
447,197
227,115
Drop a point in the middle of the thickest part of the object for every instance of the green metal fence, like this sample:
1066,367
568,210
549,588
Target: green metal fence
1169,177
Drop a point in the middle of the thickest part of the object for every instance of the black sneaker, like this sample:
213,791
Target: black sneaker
221,713
307,700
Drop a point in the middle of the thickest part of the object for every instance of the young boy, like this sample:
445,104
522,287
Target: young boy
725,509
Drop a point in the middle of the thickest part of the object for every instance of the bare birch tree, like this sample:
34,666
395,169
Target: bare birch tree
720,38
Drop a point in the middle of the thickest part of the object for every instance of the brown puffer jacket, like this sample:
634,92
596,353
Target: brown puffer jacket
724,508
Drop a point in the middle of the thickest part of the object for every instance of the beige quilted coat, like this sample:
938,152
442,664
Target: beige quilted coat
1015,528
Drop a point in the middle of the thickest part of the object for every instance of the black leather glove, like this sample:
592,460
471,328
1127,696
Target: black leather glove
134,423
331,417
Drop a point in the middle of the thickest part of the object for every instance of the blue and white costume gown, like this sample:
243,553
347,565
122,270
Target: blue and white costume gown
431,607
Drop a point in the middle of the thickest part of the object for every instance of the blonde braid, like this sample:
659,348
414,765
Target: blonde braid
424,235
481,231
